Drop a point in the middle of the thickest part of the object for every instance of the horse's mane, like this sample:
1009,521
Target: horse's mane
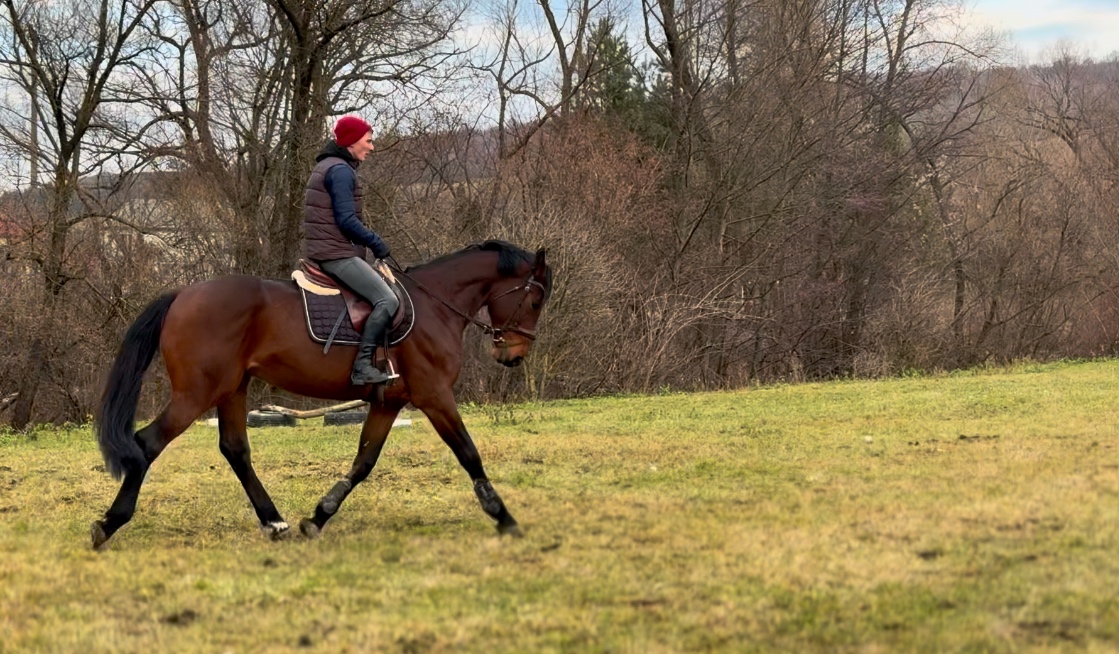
509,258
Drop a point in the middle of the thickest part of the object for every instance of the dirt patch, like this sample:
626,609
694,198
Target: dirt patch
181,618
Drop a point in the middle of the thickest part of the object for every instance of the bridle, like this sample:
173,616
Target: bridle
497,333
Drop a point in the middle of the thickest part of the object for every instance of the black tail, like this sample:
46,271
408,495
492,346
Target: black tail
114,428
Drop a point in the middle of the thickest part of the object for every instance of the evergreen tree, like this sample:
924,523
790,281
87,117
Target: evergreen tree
613,86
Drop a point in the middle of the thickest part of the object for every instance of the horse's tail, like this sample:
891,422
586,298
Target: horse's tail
119,448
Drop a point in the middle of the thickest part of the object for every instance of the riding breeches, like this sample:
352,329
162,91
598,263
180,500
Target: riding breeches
360,277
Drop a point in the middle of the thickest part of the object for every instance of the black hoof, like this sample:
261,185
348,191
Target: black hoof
512,529
97,535
309,529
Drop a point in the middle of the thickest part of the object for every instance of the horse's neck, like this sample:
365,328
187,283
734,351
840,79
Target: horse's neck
464,287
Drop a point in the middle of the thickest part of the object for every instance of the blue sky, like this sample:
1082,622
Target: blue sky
1036,26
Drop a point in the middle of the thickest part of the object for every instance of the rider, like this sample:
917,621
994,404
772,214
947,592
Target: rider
336,238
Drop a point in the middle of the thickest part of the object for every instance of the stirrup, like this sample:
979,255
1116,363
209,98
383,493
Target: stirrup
364,380
382,377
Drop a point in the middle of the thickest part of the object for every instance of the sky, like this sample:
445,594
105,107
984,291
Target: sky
1035,27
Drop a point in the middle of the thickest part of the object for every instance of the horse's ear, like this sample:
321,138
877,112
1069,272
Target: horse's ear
539,265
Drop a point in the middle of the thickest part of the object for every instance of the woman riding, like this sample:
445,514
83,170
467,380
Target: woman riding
336,238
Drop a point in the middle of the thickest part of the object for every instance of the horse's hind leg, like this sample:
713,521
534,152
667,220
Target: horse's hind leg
153,439
234,445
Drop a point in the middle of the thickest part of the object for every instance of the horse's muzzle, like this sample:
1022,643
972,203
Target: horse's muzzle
506,357
511,363
510,351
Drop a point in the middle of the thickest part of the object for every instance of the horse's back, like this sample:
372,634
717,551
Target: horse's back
256,325
217,314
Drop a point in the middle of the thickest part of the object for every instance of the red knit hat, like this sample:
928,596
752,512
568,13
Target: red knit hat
349,130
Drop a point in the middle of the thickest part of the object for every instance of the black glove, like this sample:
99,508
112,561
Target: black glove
381,250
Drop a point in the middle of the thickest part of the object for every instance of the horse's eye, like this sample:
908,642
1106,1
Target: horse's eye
536,306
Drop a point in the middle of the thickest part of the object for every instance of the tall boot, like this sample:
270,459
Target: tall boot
364,371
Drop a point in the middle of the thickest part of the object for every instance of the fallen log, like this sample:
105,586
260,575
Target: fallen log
312,413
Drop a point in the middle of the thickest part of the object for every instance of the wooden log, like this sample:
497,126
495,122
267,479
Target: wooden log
8,401
313,413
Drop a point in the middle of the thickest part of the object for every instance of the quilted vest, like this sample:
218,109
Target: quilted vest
322,239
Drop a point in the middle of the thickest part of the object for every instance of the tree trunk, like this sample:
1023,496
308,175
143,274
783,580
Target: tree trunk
29,386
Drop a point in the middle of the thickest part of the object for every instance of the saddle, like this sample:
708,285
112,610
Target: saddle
335,315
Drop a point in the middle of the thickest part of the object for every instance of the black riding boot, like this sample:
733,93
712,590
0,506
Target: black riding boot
364,371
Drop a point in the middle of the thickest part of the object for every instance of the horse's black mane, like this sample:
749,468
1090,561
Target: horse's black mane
509,258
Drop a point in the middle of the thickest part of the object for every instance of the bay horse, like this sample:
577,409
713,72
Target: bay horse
214,336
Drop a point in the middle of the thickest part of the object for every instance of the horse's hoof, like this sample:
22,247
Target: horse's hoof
276,530
513,530
97,535
309,529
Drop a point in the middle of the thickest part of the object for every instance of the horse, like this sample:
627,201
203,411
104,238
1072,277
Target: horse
216,335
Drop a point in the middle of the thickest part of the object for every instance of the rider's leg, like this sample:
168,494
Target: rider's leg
372,335
360,277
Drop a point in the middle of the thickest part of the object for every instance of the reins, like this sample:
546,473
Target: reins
495,332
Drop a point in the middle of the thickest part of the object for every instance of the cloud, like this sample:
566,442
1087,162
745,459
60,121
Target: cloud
1037,26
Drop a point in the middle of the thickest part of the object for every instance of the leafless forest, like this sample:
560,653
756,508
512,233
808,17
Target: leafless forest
730,191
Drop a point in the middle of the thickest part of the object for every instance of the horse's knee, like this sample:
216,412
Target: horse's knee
236,454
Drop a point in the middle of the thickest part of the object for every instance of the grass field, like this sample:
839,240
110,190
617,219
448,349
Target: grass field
968,512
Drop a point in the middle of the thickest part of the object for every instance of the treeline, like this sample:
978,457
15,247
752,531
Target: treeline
730,191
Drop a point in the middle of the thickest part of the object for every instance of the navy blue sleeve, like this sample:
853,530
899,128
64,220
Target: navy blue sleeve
339,182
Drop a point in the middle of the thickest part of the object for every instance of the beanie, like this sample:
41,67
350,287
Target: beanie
349,130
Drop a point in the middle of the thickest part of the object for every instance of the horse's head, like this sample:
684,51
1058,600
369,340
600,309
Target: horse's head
514,306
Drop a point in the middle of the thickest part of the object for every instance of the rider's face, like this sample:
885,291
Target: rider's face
362,147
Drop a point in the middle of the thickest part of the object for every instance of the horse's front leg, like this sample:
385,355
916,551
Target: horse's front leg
373,435
444,416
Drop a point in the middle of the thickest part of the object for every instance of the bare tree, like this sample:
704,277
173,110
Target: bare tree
72,61
255,87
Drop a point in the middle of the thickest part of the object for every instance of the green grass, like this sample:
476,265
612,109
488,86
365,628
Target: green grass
969,512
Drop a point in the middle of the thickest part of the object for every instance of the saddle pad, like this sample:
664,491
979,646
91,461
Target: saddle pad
322,312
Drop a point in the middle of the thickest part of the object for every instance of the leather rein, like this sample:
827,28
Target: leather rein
497,333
